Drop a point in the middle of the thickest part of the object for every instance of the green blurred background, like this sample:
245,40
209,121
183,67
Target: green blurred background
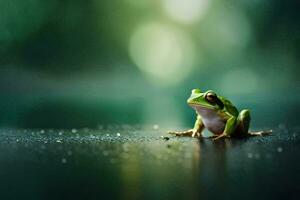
82,63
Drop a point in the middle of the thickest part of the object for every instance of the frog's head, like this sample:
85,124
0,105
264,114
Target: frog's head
207,99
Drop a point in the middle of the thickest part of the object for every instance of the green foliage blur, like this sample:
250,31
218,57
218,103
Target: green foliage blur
81,63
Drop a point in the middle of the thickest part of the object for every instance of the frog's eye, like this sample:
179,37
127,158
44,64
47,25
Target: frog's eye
211,97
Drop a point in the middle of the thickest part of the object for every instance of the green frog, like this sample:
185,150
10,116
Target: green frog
219,116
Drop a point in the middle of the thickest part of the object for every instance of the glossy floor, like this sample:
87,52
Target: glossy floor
133,162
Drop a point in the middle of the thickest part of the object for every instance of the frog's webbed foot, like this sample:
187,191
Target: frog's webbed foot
182,133
190,133
223,135
260,133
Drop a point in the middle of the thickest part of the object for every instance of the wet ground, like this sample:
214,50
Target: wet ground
133,162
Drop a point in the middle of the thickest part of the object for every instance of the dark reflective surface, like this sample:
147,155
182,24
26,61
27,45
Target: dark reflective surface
133,162
79,63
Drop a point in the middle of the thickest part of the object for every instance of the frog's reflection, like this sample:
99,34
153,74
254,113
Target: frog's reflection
211,164
180,168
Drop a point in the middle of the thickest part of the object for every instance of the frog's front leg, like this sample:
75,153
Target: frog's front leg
195,132
229,129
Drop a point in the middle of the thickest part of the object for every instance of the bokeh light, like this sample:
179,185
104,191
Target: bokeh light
162,52
230,30
186,11
73,54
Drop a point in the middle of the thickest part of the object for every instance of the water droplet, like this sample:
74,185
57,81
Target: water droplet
107,135
42,131
58,141
279,149
118,134
165,138
69,153
74,130
60,133
92,136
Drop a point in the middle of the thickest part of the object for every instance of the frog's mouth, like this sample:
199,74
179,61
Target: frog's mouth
196,105
193,102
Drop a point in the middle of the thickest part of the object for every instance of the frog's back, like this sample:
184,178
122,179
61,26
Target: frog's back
229,107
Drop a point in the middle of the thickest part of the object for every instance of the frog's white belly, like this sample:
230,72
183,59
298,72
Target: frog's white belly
211,120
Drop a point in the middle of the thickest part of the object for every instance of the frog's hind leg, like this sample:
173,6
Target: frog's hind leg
244,119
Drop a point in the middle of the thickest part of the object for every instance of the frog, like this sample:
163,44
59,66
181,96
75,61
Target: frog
217,114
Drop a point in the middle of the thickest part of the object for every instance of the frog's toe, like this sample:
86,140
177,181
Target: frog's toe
181,133
223,135
211,136
260,133
196,134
